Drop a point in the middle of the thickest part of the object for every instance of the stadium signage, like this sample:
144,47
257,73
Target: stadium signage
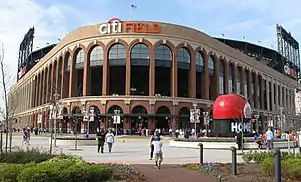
289,71
115,25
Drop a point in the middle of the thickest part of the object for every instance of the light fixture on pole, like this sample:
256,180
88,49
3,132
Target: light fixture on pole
206,121
256,116
195,117
116,119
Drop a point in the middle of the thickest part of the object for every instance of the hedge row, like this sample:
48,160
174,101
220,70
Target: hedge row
58,169
290,163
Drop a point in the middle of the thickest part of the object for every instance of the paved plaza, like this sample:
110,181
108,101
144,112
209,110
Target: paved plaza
134,151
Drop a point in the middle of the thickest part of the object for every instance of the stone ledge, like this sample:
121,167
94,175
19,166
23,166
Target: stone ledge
223,145
80,142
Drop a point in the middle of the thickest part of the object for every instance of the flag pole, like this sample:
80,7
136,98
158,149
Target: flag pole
130,14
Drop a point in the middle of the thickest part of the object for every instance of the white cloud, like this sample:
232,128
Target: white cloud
256,19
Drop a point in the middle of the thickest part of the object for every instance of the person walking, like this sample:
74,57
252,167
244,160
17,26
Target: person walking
110,140
152,138
101,138
25,137
269,136
158,152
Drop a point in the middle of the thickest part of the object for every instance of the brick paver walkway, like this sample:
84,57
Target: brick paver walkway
171,173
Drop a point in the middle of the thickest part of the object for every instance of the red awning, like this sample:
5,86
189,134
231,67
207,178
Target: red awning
228,106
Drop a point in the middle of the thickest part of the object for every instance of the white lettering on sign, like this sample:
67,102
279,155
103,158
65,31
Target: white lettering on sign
239,127
113,26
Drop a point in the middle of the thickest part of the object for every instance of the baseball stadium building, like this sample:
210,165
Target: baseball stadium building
151,72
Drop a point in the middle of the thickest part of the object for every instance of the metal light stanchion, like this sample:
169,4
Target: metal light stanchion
206,121
116,119
89,116
195,117
55,113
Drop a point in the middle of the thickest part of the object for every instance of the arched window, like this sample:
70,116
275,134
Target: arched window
68,59
96,56
140,55
117,55
183,59
246,79
80,58
221,77
199,62
238,80
231,78
211,66
163,52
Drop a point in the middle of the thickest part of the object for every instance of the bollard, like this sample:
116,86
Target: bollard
234,161
201,154
277,156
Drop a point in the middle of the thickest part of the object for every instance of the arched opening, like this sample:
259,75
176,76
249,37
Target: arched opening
46,88
93,125
59,80
183,63
66,75
54,79
221,77
77,119
239,80
246,83
63,122
139,121
79,59
260,89
212,81
231,79
140,70
199,74
253,83
111,111
163,62
183,118
163,118
96,71
117,61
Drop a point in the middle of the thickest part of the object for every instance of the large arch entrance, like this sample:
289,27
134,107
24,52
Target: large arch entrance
63,122
163,118
183,118
111,111
76,119
139,121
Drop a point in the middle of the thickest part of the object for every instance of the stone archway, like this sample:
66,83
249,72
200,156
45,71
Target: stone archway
139,119
183,118
163,118
63,122
111,118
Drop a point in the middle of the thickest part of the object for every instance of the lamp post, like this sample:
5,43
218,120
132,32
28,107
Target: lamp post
281,118
256,116
195,117
55,113
89,116
116,119
206,121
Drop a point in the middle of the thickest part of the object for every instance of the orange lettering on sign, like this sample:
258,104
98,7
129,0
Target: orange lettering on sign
140,27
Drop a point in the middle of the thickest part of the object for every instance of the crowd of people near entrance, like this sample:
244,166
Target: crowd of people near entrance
266,139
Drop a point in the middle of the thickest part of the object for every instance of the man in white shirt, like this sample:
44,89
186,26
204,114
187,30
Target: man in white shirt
270,136
110,140
158,152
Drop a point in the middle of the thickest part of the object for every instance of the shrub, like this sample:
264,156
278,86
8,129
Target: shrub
10,172
21,156
267,166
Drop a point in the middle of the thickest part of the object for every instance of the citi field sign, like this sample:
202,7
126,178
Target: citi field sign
115,25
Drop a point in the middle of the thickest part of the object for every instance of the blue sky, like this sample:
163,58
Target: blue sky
253,19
